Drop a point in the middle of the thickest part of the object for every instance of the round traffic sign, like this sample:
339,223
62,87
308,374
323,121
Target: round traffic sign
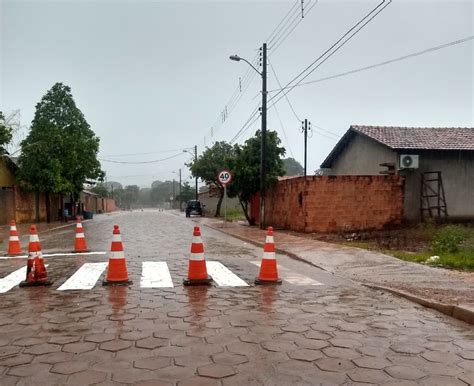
225,177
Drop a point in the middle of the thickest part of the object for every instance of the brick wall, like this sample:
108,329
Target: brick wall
7,206
335,203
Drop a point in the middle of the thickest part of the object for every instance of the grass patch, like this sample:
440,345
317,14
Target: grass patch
452,244
234,214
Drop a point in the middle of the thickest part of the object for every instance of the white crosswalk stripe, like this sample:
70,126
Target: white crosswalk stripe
155,274
85,277
223,276
13,279
292,277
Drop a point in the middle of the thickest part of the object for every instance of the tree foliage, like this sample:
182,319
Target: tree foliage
187,192
246,170
292,167
60,151
213,160
161,191
101,189
6,134
130,196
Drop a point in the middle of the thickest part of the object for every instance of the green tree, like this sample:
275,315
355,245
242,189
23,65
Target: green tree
208,165
6,134
161,191
130,196
60,151
292,167
246,172
101,189
187,192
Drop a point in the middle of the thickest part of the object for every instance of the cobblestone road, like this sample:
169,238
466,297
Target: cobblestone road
334,333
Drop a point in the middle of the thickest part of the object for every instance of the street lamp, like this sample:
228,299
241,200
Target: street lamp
195,159
180,198
263,146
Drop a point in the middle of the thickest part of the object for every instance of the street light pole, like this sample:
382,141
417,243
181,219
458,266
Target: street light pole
195,160
263,156
263,145
180,197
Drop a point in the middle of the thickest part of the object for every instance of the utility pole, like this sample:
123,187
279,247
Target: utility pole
180,198
263,155
305,127
174,195
195,160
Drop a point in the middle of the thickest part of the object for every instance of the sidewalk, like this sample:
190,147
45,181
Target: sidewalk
447,291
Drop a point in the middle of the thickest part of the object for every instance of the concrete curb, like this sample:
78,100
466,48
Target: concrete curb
260,244
455,311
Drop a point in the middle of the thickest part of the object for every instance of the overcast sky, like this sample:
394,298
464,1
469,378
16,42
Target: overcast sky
152,77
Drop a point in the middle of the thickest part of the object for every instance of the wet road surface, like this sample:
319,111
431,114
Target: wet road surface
332,332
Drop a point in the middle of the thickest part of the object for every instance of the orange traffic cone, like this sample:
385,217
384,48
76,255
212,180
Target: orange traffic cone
197,271
36,274
14,247
117,270
80,244
268,268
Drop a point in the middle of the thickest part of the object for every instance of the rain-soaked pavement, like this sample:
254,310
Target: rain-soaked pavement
298,333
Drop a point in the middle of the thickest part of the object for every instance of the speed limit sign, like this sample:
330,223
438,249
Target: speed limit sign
225,177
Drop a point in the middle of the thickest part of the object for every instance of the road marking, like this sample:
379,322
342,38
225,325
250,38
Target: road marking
13,279
54,255
223,276
155,274
292,277
85,277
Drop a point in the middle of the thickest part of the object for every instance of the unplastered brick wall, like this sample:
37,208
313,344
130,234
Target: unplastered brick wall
335,203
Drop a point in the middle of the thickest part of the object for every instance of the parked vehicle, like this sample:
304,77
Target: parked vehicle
194,207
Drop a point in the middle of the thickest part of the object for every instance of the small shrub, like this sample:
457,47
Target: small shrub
449,239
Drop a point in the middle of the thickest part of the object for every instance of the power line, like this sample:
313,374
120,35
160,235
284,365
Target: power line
349,33
274,32
141,162
153,152
246,125
284,132
384,63
287,99
299,20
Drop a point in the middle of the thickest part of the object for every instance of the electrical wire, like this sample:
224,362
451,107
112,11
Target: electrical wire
274,32
141,162
328,52
284,132
299,20
287,99
153,152
246,125
384,63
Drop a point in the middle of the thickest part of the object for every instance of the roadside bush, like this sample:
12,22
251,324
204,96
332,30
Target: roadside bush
449,239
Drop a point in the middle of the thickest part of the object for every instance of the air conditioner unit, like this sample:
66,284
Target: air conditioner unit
409,161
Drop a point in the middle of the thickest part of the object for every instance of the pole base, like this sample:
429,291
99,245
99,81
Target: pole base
267,282
123,282
35,283
207,281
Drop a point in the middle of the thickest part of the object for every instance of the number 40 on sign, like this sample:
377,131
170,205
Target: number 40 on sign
225,177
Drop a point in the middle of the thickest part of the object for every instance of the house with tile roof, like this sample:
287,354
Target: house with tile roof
437,164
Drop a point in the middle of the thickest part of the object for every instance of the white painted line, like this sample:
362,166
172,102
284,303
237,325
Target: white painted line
85,277
13,257
13,279
54,255
155,274
292,277
223,276
74,254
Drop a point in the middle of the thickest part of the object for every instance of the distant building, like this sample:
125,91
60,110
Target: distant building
437,163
